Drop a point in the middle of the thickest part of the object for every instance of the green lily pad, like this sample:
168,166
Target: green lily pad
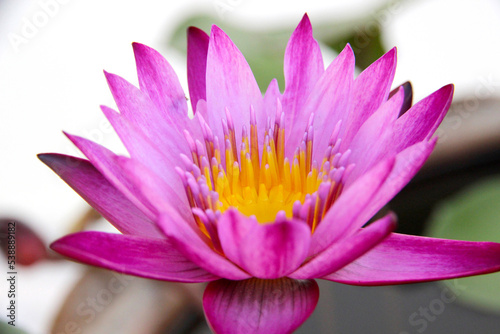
473,214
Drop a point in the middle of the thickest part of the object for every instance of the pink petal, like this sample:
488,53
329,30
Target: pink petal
230,84
374,140
346,250
259,306
138,109
133,255
342,218
407,259
197,50
271,97
159,194
377,139
196,247
94,188
330,103
408,101
303,67
104,161
421,121
370,91
264,250
159,81
406,165
161,158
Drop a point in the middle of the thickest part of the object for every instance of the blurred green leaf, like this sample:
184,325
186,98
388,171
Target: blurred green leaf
8,329
473,215
264,51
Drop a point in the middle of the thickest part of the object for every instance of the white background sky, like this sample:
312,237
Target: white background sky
54,82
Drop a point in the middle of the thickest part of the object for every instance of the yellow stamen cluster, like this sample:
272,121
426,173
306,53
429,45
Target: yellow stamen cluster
258,180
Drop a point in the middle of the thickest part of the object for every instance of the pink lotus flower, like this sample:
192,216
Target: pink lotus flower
261,195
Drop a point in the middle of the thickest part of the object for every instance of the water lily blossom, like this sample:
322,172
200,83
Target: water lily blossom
261,194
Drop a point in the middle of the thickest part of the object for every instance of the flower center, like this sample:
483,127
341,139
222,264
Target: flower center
258,179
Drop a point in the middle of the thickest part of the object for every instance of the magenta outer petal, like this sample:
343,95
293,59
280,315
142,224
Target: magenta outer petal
197,50
230,84
374,139
264,250
259,306
421,121
94,188
407,259
159,81
196,247
347,250
133,255
407,164
338,221
416,125
104,161
370,90
303,67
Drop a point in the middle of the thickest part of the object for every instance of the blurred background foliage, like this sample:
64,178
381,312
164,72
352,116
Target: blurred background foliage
264,51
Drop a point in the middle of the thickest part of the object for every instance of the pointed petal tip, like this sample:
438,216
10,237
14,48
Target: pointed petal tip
143,51
62,245
46,158
448,89
107,111
195,31
56,245
137,46
215,31
305,23
52,160
74,138
348,48
392,53
348,52
109,76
